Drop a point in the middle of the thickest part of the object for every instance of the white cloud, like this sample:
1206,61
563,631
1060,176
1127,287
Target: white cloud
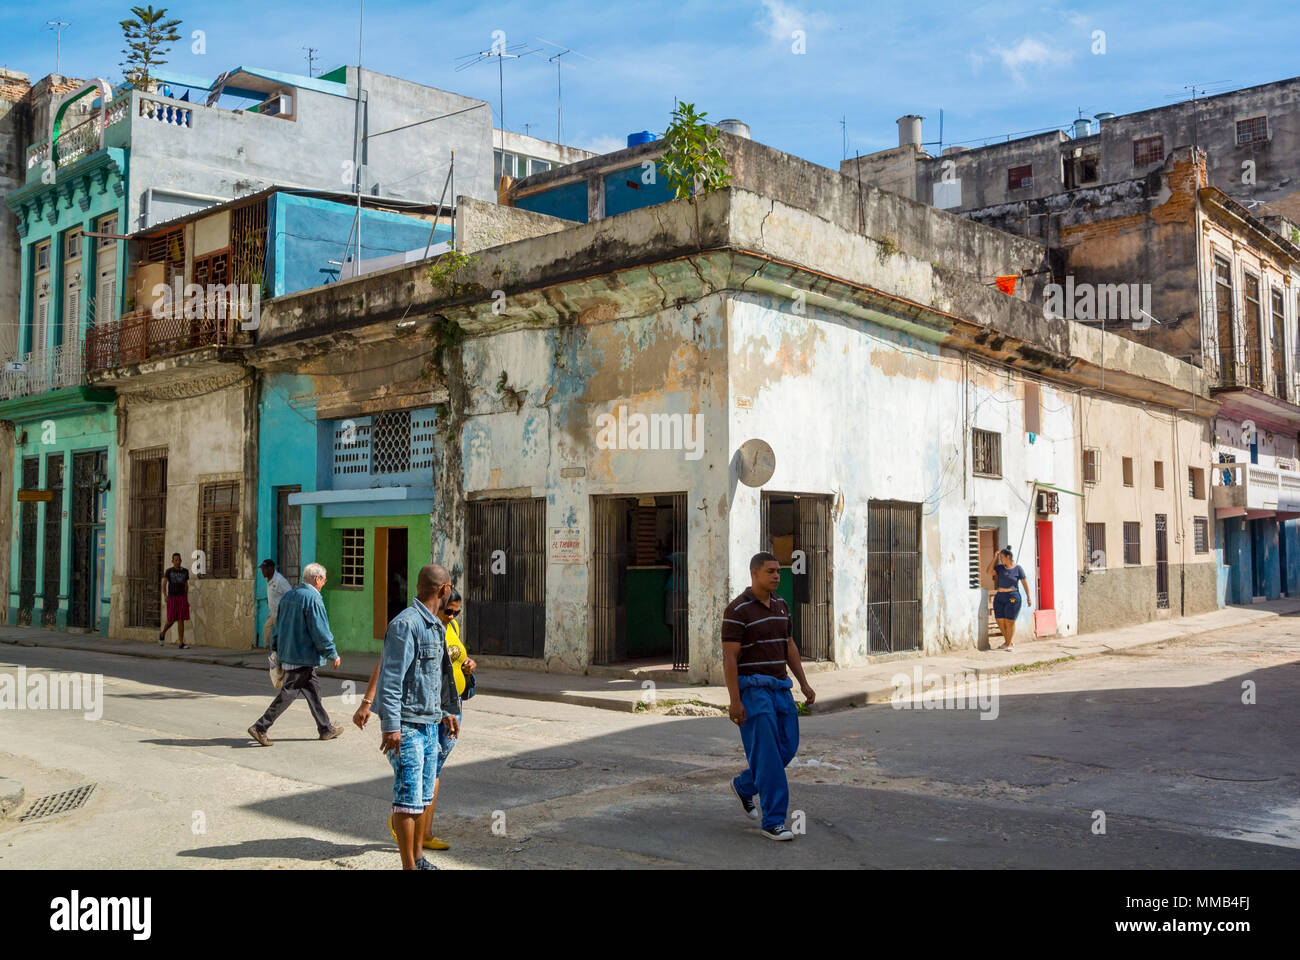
606,144
1030,52
781,20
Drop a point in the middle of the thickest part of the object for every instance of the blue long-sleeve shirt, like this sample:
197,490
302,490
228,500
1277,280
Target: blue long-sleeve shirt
416,682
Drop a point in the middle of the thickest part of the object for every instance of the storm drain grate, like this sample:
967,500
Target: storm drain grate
544,763
57,803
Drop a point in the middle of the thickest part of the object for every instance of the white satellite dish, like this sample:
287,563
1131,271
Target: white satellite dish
756,464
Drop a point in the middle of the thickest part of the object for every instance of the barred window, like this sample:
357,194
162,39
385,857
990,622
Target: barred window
218,516
352,568
1022,176
1132,543
390,443
1252,130
1195,483
1201,534
1091,464
1148,150
1095,534
986,453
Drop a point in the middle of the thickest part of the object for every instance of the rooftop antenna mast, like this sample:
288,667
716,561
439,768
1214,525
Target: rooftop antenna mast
311,59
502,51
559,97
1195,132
57,26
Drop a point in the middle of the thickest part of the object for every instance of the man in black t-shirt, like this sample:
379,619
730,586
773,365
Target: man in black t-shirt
176,588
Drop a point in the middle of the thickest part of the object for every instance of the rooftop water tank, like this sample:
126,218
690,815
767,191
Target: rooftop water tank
1082,127
738,128
636,139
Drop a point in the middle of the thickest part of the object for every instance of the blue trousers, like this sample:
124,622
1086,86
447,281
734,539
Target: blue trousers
770,734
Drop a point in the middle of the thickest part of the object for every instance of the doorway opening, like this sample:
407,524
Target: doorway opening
86,582
893,576
505,577
1162,561
795,528
641,595
395,576
148,532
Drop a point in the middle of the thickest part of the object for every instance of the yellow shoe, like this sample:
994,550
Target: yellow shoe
433,843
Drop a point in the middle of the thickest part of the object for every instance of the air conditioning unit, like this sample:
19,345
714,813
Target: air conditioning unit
281,104
1047,501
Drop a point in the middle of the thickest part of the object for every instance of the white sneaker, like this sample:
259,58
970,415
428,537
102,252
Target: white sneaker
778,833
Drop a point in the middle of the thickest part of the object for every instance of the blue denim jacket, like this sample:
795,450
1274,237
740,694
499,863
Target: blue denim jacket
416,682
302,630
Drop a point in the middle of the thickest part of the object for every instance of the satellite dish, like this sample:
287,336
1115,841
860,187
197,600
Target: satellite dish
757,463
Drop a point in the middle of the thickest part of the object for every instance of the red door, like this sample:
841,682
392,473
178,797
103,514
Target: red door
1045,601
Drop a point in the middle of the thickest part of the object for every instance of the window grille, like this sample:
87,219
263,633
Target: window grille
1132,543
986,460
1148,150
1252,130
352,568
218,516
390,443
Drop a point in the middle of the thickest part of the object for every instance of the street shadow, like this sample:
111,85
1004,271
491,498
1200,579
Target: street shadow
235,743
286,848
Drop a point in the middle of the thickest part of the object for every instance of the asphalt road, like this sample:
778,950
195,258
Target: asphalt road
1158,743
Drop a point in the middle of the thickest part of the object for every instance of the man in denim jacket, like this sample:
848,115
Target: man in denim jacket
417,691
302,641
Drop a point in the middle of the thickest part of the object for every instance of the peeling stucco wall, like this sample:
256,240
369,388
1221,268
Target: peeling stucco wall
208,436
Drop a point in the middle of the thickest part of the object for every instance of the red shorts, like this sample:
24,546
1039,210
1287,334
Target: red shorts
178,608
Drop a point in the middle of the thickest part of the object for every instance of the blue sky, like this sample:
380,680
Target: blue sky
994,68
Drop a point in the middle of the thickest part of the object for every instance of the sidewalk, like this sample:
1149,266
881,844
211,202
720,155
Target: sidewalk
836,689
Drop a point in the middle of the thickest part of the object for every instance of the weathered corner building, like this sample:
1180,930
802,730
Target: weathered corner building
586,395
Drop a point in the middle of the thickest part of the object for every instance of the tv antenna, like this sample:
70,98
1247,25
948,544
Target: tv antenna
501,51
559,97
57,26
311,59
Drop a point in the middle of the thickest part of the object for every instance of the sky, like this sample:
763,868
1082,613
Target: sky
820,80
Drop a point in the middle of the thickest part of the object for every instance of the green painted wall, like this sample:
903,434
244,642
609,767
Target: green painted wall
66,435
351,611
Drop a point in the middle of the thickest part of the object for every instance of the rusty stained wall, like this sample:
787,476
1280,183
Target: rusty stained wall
208,429
1156,246
529,434
862,413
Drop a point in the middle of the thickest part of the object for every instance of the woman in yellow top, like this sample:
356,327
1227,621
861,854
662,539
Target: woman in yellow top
463,667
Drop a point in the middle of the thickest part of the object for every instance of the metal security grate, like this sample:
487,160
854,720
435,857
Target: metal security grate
390,446
353,566
986,453
57,803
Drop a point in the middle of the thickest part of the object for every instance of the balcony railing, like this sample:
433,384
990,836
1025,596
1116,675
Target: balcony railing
141,336
43,370
1248,486
82,139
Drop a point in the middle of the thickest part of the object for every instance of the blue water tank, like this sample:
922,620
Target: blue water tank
636,139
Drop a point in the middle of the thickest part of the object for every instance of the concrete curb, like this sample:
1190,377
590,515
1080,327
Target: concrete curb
872,690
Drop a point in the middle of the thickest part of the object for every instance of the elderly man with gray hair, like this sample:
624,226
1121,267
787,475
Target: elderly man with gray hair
301,641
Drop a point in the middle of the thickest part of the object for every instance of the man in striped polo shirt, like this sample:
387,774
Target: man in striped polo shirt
757,646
